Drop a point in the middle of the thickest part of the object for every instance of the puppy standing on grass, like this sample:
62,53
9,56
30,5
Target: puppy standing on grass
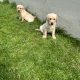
49,26
24,14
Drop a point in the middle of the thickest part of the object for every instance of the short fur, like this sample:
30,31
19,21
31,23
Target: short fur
49,26
24,14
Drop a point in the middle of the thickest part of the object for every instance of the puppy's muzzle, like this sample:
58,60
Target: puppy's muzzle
52,23
18,10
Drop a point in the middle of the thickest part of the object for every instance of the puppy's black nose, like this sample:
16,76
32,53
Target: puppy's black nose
51,23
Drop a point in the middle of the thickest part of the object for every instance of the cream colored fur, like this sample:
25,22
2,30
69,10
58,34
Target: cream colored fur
49,26
24,14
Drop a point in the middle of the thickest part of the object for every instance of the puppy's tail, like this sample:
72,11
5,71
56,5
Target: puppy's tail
37,29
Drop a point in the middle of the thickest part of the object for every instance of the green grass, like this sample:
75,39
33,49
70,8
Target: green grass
25,55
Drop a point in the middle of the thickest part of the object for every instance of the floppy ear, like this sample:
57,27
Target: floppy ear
46,20
22,8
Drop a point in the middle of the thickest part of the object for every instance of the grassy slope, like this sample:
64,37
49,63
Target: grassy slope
25,55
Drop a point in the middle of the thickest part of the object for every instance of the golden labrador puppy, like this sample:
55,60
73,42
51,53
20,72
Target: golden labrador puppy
49,26
24,14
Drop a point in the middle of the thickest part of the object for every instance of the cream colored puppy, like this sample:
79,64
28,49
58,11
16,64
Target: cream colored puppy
49,26
24,14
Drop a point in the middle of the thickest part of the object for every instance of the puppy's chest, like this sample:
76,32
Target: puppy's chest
50,28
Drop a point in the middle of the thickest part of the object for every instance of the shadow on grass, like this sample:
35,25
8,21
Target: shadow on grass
63,33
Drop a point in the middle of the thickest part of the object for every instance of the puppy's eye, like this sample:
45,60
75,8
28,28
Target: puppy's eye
54,19
50,18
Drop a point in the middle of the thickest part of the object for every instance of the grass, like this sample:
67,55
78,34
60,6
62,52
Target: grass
25,55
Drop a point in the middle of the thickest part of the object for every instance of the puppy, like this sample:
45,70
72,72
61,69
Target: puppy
24,14
49,26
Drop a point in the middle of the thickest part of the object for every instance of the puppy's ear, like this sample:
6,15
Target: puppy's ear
56,18
46,19
23,8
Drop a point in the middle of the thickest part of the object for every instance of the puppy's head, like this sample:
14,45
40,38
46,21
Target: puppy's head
51,18
19,7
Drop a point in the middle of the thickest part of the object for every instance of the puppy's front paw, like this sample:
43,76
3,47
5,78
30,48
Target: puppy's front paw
44,36
54,37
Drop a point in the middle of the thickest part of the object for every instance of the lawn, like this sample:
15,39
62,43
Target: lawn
25,55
